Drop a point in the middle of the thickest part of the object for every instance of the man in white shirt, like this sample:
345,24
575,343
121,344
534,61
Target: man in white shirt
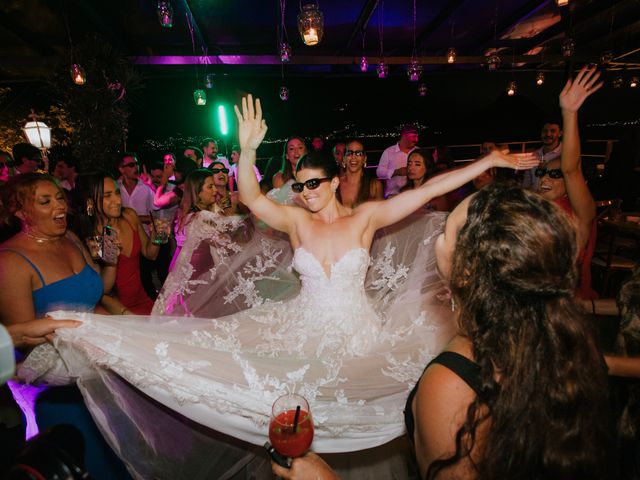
135,193
550,150
392,168
210,153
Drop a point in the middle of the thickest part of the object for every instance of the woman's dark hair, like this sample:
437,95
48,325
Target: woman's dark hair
286,169
19,190
364,190
184,166
429,165
544,396
320,160
87,197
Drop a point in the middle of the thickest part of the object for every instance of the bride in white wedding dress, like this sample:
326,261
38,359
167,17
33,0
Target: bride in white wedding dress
352,334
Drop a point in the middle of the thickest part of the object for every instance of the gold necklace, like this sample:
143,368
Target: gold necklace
39,240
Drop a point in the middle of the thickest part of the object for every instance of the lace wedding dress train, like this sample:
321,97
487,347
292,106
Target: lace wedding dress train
235,327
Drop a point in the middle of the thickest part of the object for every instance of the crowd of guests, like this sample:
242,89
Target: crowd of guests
516,265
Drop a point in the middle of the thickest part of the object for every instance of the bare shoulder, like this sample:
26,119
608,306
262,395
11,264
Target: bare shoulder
130,216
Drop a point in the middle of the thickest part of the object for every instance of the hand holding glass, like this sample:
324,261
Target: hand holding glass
291,426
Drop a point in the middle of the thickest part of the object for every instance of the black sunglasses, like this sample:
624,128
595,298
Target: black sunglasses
311,184
218,170
553,173
357,153
130,165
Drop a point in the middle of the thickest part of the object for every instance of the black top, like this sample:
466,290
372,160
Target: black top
463,367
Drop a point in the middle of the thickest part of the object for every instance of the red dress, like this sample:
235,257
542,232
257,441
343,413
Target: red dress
128,282
584,290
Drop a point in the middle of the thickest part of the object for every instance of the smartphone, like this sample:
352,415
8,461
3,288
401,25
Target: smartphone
276,457
109,253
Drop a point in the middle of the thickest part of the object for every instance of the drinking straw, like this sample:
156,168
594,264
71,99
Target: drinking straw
296,418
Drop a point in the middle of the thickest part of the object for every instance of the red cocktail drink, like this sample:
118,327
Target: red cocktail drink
291,426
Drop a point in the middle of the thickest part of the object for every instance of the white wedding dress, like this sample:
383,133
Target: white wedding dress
235,327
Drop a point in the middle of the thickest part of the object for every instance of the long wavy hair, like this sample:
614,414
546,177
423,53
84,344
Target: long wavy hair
544,384
286,169
87,197
364,189
190,198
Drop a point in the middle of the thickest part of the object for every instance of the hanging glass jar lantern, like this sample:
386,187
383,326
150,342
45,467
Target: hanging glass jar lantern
493,62
78,74
414,70
200,97
382,69
451,55
540,78
512,88
208,80
284,93
618,81
634,82
284,50
422,90
311,24
364,64
568,47
165,14
606,57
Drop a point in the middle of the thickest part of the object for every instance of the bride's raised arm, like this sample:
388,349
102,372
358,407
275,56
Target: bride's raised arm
251,131
396,208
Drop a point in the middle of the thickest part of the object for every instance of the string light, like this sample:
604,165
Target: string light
540,78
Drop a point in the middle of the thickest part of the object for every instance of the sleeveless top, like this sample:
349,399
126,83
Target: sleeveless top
460,365
80,291
584,289
128,282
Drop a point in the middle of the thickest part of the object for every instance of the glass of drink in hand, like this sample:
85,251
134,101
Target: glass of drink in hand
291,426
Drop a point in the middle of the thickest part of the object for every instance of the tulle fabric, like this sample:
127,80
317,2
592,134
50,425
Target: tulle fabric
178,393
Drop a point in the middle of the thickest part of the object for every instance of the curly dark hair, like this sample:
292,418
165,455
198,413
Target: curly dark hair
544,399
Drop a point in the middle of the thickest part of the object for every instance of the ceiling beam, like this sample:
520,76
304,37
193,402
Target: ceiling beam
361,23
437,22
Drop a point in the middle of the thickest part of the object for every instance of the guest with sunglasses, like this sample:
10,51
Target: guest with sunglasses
357,184
225,201
562,181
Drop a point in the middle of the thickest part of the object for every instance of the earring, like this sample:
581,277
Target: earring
90,210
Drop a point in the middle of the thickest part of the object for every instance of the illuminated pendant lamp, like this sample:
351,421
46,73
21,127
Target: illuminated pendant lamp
200,97
165,14
78,75
311,24
451,55
540,78
512,88
39,135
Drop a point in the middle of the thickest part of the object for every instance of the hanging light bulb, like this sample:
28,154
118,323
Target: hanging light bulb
494,61
451,55
540,78
414,70
382,70
568,47
311,24
364,64
78,74
512,87
606,57
422,90
562,3
208,80
200,97
284,93
165,13
618,81
284,50
634,82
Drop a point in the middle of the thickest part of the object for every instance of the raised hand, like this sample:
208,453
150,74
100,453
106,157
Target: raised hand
576,91
251,126
517,161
